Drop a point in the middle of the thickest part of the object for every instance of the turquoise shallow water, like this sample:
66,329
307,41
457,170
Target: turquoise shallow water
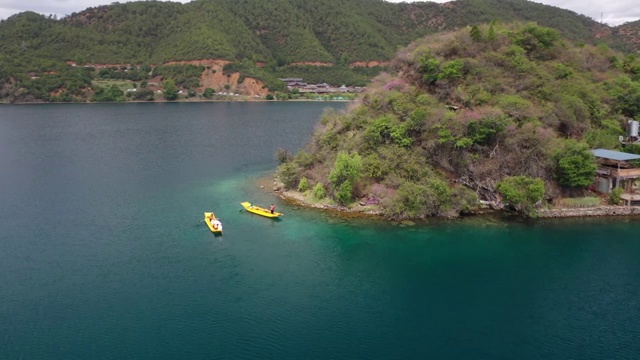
103,254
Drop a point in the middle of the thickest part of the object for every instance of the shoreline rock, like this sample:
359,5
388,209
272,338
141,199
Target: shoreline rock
298,199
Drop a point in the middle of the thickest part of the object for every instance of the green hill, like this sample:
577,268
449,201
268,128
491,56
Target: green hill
485,113
262,39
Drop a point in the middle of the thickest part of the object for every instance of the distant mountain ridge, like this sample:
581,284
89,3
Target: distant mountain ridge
283,31
264,39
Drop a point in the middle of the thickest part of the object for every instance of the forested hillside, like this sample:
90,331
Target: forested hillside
261,39
490,112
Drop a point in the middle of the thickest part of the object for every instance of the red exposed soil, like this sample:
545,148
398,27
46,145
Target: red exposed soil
213,77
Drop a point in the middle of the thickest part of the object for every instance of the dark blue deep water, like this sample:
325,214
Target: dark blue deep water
103,254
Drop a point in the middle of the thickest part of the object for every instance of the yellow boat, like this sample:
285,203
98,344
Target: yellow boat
213,223
260,211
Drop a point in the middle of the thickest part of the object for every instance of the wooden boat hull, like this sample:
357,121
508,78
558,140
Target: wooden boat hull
208,216
260,211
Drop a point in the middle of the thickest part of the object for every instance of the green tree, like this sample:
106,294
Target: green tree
346,168
208,93
430,68
451,70
615,197
409,201
303,185
345,59
576,165
344,175
522,193
318,192
288,173
108,94
476,34
344,193
491,34
626,92
170,89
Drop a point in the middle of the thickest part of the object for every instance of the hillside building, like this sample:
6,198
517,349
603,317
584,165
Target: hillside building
323,88
615,169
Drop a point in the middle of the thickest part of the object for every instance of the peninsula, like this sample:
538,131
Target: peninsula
484,116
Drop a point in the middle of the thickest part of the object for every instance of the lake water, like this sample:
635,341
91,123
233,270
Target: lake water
103,254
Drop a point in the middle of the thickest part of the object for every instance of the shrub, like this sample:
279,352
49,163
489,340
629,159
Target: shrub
616,196
514,105
415,200
562,71
346,168
303,185
485,131
344,193
372,167
601,139
576,165
522,193
170,89
111,93
143,94
318,191
304,159
282,155
288,173
208,93
476,34
379,131
410,201
429,67
451,70
464,199
417,118
534,38
346,171
438,198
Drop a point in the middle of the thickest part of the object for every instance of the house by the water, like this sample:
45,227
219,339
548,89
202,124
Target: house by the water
618,169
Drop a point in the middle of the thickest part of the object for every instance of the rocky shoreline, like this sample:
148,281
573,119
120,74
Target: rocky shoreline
298,199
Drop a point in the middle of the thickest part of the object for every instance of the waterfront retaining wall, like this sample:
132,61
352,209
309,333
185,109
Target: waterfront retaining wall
594,211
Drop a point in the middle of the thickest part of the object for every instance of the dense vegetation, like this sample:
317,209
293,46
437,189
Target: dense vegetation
280,35
490,112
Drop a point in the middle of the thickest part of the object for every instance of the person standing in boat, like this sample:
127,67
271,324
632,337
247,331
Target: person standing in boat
272,208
